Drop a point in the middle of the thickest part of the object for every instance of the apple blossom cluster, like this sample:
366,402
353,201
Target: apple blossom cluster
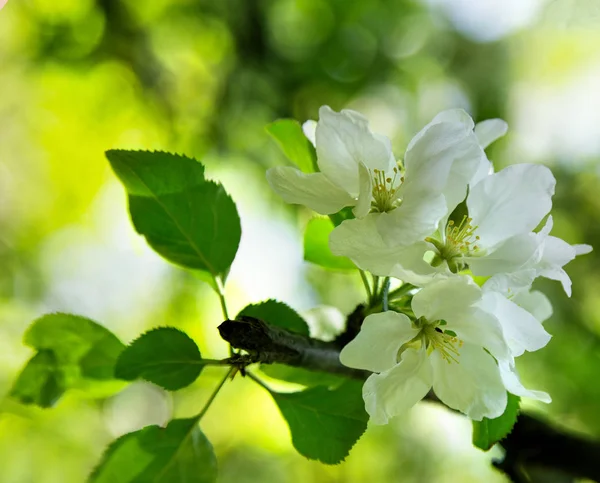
436,220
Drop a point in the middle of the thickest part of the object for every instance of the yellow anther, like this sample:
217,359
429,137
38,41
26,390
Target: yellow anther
384,191
441,341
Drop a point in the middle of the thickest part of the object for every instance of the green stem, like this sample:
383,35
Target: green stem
214,394
221,293
216,362
385,292
363,276
375,289
258,381
400,291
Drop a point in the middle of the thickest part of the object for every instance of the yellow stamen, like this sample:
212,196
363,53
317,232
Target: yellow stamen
384,191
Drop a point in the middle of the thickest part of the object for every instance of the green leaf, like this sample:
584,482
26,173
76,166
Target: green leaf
178,453
342,215
41,382
277,313
148,174
487,432
165,356
71,349
325,423
316,246
291,139
186,219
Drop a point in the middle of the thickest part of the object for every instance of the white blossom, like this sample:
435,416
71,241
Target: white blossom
357,168
495,236
461,343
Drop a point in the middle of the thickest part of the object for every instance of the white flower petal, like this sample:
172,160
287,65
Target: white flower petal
441,299
411,266
484,170
556,254
480,328
363,206
376,346
513,254
444,156
309,128
310,189
359,240
450,116
416,218
490,130
509,284
547,228
522,331
398,389
472,386
513,384
470,158
343,141
510,202
455,115
582,249
536,303
433,151
558,274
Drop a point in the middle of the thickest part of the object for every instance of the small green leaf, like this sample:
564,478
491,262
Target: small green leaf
41,382
291,139
71,349
186,219
165,356
316,246
277,313
342,215
487,432
325,423
178,453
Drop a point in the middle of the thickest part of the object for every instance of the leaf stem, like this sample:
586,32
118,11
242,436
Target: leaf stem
363,276
215,392
375,289
259,381
385,293
216,362
400,291
221,294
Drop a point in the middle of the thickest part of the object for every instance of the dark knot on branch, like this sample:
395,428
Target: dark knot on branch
267,344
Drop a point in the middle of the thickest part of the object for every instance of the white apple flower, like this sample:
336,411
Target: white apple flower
455,345
494,237
516,288
357,168
554,254
539,255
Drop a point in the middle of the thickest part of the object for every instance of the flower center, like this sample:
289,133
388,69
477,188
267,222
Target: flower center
459,241
443,341
384,191
433,336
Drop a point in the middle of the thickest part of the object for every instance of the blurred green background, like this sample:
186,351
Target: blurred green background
204,77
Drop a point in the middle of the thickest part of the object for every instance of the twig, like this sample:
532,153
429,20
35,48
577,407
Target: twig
532,443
